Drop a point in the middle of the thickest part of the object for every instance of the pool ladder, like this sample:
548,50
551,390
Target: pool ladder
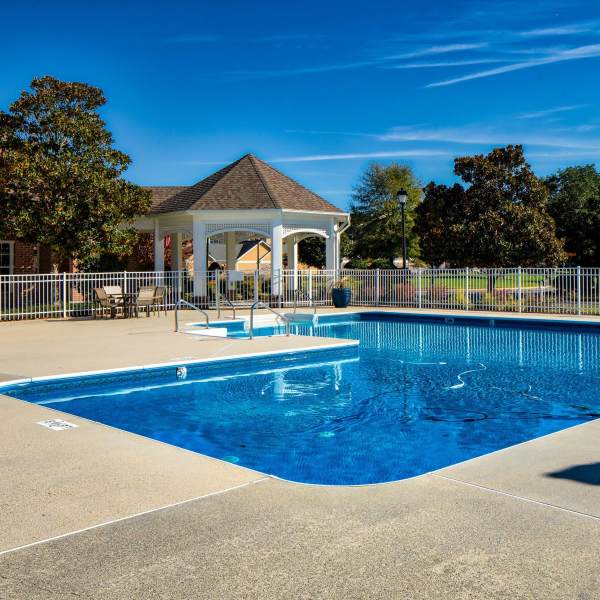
299,293
182,302
223,298
259,304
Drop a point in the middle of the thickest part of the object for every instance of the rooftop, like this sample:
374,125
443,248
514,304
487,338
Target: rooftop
246,184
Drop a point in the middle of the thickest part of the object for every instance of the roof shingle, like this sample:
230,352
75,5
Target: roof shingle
247,183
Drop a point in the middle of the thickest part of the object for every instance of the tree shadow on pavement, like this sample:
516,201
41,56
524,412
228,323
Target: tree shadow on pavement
589,474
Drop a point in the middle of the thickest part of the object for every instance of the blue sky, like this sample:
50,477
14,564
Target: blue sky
321,88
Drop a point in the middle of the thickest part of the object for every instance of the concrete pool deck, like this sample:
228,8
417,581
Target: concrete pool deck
142,519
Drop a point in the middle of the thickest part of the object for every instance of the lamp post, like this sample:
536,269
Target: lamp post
402,197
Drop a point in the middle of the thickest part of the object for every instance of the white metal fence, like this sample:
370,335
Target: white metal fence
543,290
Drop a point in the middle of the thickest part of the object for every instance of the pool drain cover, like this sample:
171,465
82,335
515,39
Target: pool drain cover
57,424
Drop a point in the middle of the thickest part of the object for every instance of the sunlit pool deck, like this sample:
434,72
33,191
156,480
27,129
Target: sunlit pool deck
97,512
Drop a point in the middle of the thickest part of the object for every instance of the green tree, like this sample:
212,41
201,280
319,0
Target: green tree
311,250
61,180
575,205
376,231
500,220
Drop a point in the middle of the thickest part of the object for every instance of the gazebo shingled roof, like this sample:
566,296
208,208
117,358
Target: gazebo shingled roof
247,183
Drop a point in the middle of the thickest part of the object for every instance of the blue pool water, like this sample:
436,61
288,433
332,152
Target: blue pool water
416,395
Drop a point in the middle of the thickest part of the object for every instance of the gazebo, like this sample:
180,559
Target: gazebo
248,198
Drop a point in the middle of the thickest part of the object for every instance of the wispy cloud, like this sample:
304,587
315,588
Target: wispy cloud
573,29
550,111
361,155
553,155
436,50
303,70
287,37
351,65
192,39
415,153
329,132
452,63
485,135
478,134
589,51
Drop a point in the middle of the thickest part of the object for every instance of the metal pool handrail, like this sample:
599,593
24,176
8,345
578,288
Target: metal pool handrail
259,304
183,302
220,297
309,298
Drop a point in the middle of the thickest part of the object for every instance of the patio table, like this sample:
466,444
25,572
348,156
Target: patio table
129,303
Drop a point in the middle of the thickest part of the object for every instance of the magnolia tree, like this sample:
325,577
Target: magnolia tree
61,181
499,219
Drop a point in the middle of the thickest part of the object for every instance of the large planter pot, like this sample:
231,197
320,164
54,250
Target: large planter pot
341,297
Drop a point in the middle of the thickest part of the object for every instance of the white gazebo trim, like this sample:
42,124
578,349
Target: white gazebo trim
216,228
294,228
285,228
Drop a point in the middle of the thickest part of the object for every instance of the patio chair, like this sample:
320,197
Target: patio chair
113,290
145,299
104,302
159,298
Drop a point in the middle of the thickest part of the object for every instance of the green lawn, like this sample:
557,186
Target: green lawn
479,281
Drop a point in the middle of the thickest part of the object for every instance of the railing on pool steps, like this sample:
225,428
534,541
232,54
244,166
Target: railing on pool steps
181,303
259,304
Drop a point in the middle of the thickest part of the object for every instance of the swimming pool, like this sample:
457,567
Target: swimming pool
418,394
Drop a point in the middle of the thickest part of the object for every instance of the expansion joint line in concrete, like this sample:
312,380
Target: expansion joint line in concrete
515,497
133,516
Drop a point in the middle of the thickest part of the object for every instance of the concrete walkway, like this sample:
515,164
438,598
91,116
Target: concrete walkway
53,347
95,512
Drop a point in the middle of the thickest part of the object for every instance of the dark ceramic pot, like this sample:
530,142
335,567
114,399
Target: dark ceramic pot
341,297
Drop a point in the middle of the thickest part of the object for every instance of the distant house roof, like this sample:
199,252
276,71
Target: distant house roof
247,183
217,250
248,245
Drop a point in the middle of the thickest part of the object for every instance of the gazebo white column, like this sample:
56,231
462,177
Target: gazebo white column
230,256
276,257
159,248
176,252
199,248
330,244
292,254
337,257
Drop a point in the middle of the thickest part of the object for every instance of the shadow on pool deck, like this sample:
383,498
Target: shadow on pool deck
586,473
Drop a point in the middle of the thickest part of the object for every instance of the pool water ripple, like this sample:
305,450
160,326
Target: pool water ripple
414,397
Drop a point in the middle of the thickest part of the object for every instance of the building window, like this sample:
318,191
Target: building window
7,257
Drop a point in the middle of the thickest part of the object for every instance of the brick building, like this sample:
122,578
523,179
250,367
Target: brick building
20,258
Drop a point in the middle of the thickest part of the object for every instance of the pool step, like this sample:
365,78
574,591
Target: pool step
303,318
210,332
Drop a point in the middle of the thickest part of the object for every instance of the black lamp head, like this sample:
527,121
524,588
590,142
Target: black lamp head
402,197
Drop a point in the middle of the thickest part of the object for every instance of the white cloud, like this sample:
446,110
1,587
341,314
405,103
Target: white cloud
550,111
417,153
455,63
573,29
589,51
361,155
590,154
437,50
304,70
429,51
480,134
192,39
